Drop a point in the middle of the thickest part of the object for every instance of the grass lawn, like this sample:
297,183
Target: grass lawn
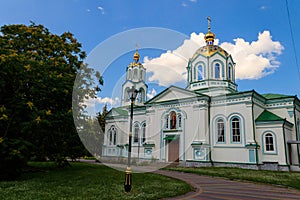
88,181
288,179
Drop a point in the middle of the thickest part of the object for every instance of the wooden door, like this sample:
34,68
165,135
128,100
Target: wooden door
173,150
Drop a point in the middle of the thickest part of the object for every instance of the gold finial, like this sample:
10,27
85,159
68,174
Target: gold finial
209,36
136,55
208,23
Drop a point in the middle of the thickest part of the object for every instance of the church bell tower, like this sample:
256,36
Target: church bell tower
136,77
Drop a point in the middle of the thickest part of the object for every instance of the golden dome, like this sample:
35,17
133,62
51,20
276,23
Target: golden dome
209,38
209,50
136,56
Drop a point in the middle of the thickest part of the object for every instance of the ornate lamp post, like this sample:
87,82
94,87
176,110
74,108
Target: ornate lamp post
127,185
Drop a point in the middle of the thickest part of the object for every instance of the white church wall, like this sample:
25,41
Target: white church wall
279,154
109,149
290,135
257,110
194,127
297,121
197,130
230,151
283,109
240,110
297,133
230,155
139,118
154,131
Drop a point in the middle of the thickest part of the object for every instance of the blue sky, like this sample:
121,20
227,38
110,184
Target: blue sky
95,21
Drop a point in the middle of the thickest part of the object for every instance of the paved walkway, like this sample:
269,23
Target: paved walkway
207,187
220,188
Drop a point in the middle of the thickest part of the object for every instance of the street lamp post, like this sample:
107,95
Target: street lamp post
127,185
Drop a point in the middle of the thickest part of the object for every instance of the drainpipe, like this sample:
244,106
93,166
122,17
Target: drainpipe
209,133
296,127
286,155
254,130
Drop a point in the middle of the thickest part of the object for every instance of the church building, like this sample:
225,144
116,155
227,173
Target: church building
208,123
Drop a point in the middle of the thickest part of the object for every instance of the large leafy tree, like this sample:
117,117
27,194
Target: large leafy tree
37,74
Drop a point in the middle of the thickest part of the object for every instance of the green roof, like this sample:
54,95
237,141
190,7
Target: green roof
268,116
274,96
121,111
171,137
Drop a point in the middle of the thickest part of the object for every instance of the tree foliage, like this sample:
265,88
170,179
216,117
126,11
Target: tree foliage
101,117
37,74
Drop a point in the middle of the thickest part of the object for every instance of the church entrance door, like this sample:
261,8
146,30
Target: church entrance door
173,150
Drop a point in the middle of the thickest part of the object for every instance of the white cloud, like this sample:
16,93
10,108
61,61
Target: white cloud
253,60
107,100
91,102
194,1
256,59
173,63
263,8
101,9
183,4
151,94
88,10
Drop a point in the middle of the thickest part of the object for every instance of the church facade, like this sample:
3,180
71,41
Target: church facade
208,123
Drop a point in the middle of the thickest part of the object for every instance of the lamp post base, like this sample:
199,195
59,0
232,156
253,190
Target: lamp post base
127,184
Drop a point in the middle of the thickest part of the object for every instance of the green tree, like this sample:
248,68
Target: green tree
37,74
101,117
101,121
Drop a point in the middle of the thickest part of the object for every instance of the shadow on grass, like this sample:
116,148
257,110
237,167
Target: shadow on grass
44,180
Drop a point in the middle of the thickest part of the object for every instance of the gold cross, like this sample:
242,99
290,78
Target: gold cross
136,46
208,21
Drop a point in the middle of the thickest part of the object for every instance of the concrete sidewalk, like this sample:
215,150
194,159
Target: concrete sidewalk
220,188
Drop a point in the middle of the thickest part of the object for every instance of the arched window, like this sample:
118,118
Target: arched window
141,75
189,75
173,120
236,129
195,73
298,128
200,72
269,142
144,133
141,95
112,136
136,133
126,96
135,74
220,130
179,120
167,122
229,72
115,138
217,70
129,74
